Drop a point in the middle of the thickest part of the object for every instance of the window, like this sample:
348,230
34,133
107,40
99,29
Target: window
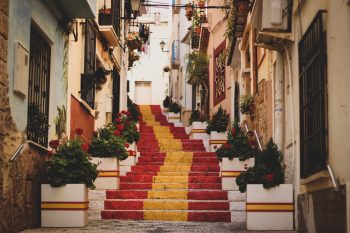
219,74
116,93
87,80
313,95
38,88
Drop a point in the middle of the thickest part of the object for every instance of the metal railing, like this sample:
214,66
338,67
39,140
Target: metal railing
256,136
333,178
22,146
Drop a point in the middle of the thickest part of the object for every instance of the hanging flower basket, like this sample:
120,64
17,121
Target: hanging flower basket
201,4
134,44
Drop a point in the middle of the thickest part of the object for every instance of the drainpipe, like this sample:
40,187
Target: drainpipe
278,101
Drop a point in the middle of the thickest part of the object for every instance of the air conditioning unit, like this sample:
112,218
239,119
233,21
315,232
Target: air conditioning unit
275,15
272,19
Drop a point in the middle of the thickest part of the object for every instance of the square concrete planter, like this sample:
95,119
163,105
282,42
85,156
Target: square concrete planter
65,206
108,176
165,110
126,164
216,140
198,131
270,209
230,169
174,117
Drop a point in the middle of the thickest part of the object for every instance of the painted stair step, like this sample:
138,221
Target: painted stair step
223,216
129,186
170,179
178,159
167,194
172,173
194,168
165,205
195,154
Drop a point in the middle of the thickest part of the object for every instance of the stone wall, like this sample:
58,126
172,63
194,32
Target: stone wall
19,180
262,119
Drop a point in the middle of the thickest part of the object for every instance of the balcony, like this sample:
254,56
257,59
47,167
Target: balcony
78,8
175,52
109,23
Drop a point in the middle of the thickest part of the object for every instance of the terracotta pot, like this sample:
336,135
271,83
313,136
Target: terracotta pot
243,7
201,4
197,29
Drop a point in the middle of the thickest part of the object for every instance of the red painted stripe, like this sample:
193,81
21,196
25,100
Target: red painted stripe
131,215
204,186
126,194
209,216
207,195
123,205
209,205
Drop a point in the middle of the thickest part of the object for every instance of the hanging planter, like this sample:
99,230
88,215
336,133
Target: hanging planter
189,11
201,4
197,29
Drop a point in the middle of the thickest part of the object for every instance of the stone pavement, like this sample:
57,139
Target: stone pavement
108,226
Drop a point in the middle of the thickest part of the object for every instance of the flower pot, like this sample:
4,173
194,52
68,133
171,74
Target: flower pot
201,4
243,7
230,169
134,44
108,176
197,29
65,206
174,117
270,209
216,140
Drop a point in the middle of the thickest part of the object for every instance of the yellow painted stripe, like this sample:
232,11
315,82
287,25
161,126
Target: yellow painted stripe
230,174
176,194
170,179
198,131
168,167
165,205
108,174
169,185
269,207
64,205
165,216
173,117
217,142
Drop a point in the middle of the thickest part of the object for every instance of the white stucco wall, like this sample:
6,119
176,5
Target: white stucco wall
22,14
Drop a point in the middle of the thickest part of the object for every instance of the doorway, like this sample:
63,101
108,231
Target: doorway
143,92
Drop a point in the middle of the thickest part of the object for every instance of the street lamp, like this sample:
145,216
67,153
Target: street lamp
162,45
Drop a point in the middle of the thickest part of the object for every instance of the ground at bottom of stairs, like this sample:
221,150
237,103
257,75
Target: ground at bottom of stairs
106,226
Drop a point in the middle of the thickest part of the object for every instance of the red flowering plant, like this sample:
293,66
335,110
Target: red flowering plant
238,145
268,169
70,163
106,143
126,127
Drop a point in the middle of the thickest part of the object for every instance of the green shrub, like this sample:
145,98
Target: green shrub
219,121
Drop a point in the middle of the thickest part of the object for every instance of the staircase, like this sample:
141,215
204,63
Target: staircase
174,179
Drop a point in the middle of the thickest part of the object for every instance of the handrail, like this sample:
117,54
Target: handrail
20,148
334,181
256,136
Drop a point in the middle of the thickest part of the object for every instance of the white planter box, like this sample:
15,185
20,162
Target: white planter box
216,140
230,169
173,117
65,206
270,209
165,110
198,130
132,147
108,176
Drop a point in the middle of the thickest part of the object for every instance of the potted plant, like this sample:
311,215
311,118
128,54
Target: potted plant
134,41
247,104
189,11
105,16
202,17
201,4
126,128
217,127
266,192
135,114
174,113
166,104
197,68
237,155
196,22
107,150
64,200
198,125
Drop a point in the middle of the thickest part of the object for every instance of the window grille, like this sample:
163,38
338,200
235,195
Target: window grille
87,80
313,95
38,88
219,74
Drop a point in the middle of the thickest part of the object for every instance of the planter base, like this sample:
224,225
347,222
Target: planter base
216,140
108,177
230,169
270,209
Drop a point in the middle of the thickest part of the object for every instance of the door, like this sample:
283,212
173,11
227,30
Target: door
143,93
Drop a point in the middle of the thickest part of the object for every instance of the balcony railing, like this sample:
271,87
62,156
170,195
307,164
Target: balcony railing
175,56
110,16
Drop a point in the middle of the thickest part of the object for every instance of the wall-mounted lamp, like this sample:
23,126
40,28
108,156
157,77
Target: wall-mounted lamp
162,45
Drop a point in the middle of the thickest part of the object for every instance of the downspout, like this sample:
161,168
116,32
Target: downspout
278,101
